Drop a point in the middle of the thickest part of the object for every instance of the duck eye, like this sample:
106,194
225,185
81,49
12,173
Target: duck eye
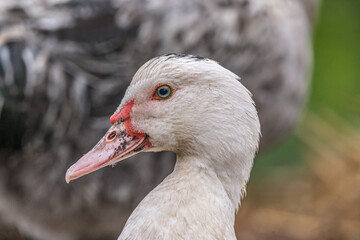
163,92
111,136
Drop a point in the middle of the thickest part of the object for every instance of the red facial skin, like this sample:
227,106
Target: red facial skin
126,143
120,142
124,115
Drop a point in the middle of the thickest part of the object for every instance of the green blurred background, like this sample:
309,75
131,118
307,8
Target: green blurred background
335,83
308,186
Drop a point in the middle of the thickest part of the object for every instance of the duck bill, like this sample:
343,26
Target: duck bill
119,143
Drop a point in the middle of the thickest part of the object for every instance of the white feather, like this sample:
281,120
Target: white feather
211,123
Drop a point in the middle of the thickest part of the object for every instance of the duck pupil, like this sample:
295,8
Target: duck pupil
163,91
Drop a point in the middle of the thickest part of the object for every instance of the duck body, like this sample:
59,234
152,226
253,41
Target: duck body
209,120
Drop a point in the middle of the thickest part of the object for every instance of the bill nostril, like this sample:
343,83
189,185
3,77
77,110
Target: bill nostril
111,136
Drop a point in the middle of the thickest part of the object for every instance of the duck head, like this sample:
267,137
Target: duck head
185,104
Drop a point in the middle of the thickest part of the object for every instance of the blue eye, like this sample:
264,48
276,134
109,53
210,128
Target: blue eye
163,92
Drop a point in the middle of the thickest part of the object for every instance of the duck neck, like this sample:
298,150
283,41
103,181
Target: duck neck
230,174
188,199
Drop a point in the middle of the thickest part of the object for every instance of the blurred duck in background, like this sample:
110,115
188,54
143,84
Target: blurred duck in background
64,66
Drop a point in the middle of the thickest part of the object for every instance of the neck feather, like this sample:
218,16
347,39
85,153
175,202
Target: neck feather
188,199
231,171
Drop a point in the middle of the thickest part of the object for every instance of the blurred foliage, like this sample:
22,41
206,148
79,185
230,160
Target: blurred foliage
336,78
335,83
308,186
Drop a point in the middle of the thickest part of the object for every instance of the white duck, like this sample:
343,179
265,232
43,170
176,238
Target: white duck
199,110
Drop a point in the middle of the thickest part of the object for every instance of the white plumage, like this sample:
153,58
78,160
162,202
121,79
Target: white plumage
210,122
